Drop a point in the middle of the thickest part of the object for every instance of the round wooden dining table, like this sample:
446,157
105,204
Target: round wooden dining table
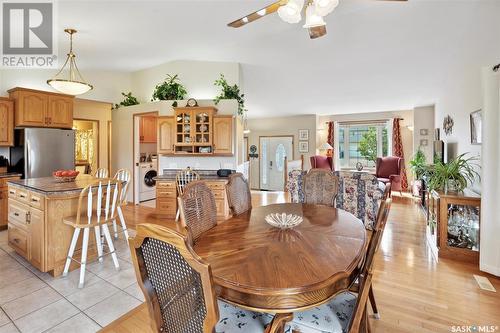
268,269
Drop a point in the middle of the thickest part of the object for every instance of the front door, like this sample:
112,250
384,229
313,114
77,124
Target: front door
272,161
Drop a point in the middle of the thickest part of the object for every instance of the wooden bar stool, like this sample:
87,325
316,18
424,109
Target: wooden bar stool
183,178
122,175
101,173
98,219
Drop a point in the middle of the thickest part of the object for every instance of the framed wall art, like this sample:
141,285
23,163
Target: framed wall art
304,134
303,146
476,127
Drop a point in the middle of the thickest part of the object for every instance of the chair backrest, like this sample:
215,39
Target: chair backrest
184,177
388,166
359,194
295,186
320,187
124,176
238,194
365,276
176,283
101,173
321,162
95,196
197,208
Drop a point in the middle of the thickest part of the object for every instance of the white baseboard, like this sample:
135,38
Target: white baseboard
494,270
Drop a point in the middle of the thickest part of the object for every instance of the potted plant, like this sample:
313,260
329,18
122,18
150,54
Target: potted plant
128,101
455,175
419,168
170,89
230,92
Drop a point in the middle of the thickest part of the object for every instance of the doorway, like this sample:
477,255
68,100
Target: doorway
274,150
86,145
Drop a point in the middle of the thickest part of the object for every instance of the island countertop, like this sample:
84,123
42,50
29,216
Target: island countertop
51,186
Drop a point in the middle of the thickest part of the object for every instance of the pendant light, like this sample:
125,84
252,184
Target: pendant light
246,130
74,84
313,19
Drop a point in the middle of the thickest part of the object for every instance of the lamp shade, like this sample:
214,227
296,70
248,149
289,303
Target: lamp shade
69,87
325,7
291,12
325,146
312,18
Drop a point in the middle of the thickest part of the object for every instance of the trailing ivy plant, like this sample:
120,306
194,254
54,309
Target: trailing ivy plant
230,92
170,89
459,172
128,101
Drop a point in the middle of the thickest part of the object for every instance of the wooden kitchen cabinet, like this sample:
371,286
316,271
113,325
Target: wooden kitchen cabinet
148,130
223,135
33,108
36,242
193,130
166,134
4,201
6,122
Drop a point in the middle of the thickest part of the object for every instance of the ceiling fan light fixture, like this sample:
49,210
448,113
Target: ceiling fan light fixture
262,12
313,19
325,7
290,12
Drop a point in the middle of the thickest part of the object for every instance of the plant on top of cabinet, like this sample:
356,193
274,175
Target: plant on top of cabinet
230,92
170,89
454,175
128,101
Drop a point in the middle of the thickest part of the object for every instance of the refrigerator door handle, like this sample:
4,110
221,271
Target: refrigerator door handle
27,162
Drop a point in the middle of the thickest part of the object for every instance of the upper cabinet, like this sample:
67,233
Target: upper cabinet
6,122
166,135
147,129
223,135
42,109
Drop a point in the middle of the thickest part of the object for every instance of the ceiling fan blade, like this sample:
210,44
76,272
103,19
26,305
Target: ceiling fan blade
258,14
316,32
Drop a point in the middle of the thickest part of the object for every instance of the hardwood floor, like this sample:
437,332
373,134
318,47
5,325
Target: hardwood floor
414,293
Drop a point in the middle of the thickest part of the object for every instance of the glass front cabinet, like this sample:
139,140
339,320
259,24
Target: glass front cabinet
194,132
458,225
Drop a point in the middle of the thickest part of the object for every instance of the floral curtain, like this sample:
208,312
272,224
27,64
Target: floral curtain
331,138
397,150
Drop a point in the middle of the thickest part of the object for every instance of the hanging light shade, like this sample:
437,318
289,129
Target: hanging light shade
325,7
313,19
291,12
73,84
246,130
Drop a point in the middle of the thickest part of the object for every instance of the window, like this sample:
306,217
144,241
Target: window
362,143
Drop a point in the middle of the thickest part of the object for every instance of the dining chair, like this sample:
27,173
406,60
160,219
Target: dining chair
87,217
238,194
183,178
346,311
197,208
178,286
122,175
101,173
320,187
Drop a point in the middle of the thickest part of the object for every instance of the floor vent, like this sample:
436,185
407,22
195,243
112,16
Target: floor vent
484,283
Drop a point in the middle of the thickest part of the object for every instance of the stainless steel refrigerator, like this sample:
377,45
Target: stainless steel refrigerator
38,152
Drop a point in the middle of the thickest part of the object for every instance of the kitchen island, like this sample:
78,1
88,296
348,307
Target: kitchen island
36,211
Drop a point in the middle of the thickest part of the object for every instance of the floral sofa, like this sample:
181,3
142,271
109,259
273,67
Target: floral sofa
359,193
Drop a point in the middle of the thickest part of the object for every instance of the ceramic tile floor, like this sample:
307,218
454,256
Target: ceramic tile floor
31,301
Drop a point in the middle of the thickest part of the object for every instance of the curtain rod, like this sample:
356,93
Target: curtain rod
496,68
378,121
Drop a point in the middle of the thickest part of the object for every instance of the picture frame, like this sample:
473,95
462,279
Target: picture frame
476,127
303,146
424,142
424,131
303,134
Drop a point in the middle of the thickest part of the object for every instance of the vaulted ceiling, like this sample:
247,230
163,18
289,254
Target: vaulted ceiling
378,55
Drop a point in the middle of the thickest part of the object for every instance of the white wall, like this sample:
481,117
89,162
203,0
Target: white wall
197,76
108,85
490,211
280,126
423,119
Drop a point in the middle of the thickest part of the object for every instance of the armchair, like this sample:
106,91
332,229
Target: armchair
388,171
321,162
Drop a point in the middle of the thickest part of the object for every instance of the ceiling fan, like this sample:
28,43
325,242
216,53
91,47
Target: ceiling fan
290,11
